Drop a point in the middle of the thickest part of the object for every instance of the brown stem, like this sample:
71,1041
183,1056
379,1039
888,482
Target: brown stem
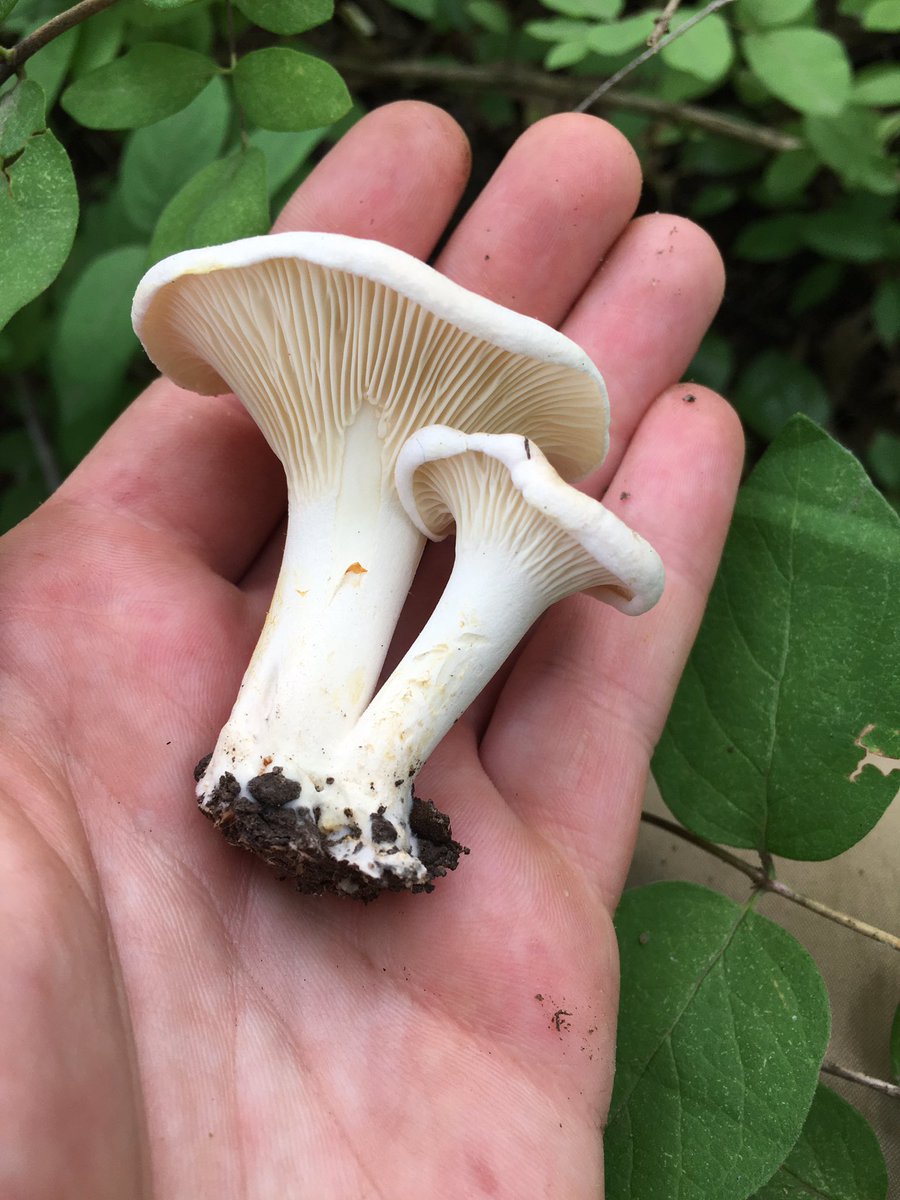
869,1081
762,881
18,55
653,48
661,25
526,83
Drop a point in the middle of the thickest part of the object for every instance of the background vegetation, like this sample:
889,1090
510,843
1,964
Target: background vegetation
133,128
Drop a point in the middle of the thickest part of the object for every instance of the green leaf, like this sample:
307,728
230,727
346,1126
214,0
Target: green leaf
806,68
38,215
21,115
706,51
878,85
6,7
723,1022
895,1046
160,159
884,459
285,153
167,5
837,1157
94,342
713,199
620,36
788,174
225,201
425,10
770,238
151,81
565,54
886,311
774,387
285,90
558,31
851,231
713,364
50,65
851,145
287,16
99,41
489,15
590,10
764,13
882,17
797,658
820,282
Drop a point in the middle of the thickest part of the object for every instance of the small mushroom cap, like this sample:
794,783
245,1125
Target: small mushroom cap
333,321
499,489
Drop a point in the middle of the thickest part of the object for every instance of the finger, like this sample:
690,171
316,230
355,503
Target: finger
196,468
572,733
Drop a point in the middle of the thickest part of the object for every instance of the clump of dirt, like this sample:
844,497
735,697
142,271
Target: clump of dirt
290,840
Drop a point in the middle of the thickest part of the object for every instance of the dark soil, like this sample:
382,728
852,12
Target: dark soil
289,839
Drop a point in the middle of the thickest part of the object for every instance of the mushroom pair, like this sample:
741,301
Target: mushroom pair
401,405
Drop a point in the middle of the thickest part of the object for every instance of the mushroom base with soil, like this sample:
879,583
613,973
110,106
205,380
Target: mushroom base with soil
268,819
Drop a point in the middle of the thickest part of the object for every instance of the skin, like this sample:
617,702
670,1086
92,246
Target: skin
179,1024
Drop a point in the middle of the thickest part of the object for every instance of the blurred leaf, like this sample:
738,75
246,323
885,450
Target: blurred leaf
490,16
425,10
886,311
6,7
797,658
49,66
285,153
225,201
706,51
774,387
21,115
558,31
38,215
761,13
565,54
770,238
160,159
882,17
191,27
851,146
287,16
820,282
720,156
713,364
591,10
851,231
884,459
878,85
723,1022
837,1157
99,41
94,342
895,1046
788,174
25,337
806,68
152,81
621,36
284,90
715,198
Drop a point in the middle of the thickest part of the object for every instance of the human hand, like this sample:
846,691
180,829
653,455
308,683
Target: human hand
179,1024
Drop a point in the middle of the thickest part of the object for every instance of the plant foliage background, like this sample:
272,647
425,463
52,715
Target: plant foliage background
156,125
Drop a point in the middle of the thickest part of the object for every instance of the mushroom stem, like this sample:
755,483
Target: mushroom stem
350,556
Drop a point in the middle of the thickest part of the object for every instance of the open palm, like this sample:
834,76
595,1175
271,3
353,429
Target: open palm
179,1024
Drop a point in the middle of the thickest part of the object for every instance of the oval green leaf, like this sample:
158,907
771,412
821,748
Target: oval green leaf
153,80
21,115
159,160
225,201
773,387
618,37
705,51
837,1157
806,68
38,215
769,741
766,13
287,16
882,17
878,85
723,1022
851,145
93,346
285,90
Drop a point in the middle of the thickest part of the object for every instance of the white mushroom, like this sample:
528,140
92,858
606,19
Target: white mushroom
524,539
341,349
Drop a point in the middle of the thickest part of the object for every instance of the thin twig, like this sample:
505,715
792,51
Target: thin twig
661,24
43,451
19,54
526,83
869,1081
651,50
764,883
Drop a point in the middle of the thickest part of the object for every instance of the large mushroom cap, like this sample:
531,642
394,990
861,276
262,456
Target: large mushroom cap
333,321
